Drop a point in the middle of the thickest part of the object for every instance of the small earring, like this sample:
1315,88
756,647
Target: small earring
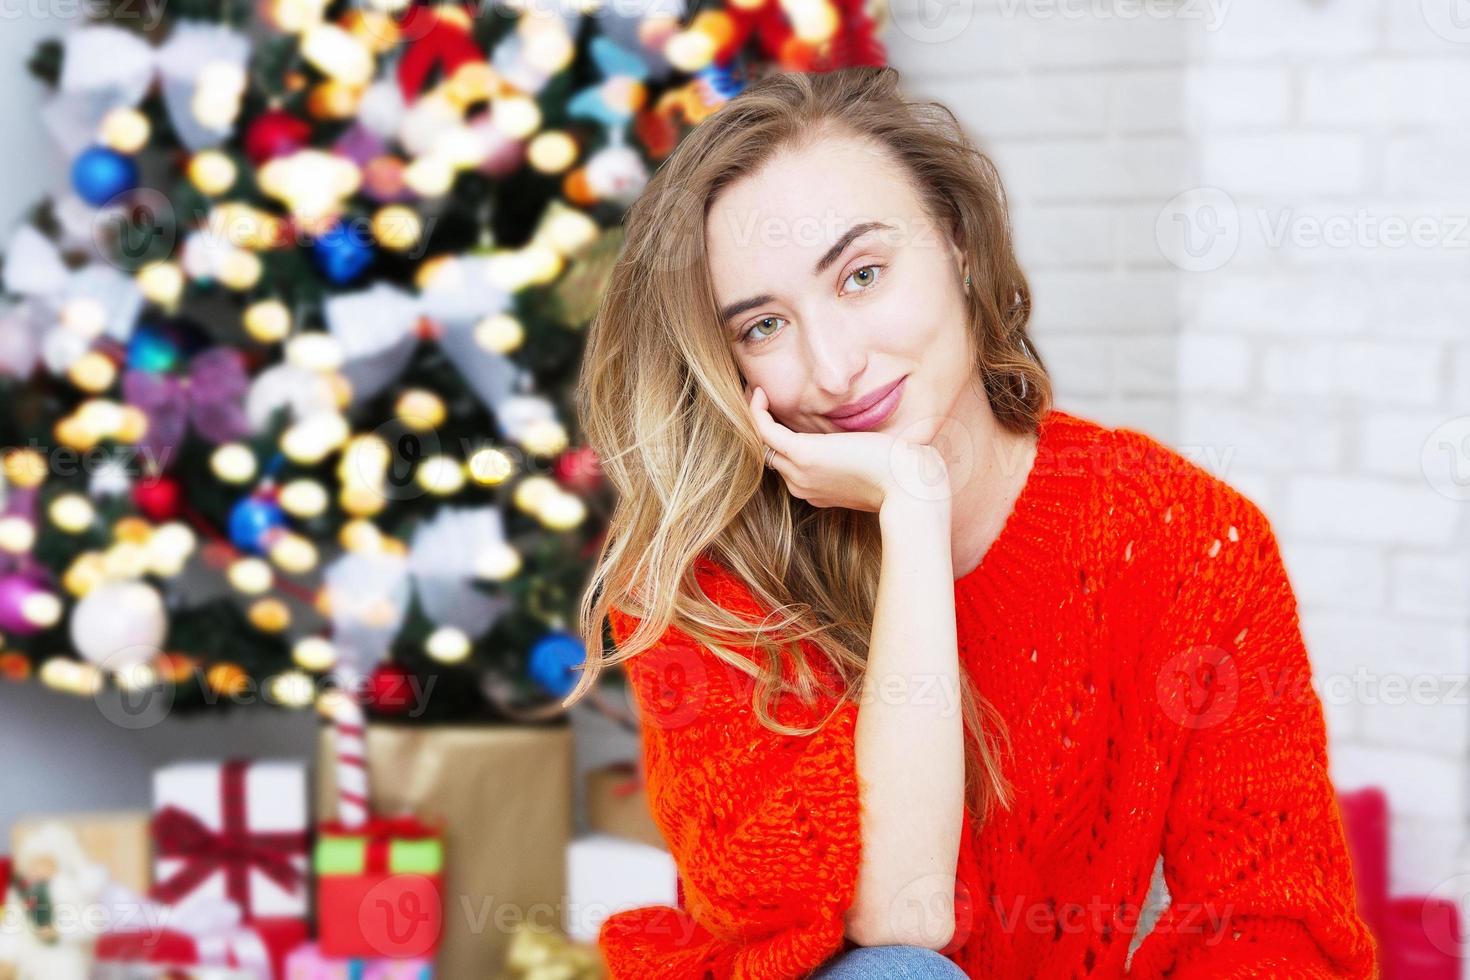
967,280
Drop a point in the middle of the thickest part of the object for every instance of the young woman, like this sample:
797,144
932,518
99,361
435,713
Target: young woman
931,672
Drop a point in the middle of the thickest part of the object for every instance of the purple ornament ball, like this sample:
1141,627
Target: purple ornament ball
15,590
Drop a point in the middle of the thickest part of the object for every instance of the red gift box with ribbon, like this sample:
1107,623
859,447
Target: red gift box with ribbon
260,948
235,830
200,932
380,888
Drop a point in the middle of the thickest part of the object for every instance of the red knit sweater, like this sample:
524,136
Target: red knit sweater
1134,625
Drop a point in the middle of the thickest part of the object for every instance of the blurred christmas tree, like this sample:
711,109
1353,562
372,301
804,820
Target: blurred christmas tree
288,363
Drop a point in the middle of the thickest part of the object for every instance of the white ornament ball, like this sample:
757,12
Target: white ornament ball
616,173
119,625
382,109
61,347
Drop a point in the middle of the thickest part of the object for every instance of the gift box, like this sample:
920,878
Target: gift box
538,954
118,841
308,962
234,830
1422,939
9,923
607,874
153,971
380,889
256,951
1365,823
503,796
201,935
617,804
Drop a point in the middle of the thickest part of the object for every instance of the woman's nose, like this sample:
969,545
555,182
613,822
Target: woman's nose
837,358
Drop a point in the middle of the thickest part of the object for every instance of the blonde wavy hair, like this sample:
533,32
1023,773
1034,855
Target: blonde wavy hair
660,401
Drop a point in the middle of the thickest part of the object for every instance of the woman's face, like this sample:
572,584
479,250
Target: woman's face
820,317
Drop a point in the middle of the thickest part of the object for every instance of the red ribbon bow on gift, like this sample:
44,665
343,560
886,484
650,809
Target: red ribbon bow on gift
234,849
407,827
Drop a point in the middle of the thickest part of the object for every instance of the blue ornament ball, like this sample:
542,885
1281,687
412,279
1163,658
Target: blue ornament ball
343,253
552,660
251,520
100,174
154,348
159,344
723,82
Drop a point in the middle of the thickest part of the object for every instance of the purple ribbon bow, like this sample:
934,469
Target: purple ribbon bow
211,396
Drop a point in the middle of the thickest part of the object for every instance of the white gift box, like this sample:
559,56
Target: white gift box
233,830
607,874
153,971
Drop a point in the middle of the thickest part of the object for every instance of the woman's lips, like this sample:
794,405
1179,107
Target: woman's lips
875,415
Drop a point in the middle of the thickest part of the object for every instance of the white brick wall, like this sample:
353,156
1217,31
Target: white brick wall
1316,360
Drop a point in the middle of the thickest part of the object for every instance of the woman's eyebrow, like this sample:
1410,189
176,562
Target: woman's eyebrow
828,257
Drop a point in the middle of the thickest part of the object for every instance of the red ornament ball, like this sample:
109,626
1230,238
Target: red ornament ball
275,133
14,666
158,498
578,469
389,691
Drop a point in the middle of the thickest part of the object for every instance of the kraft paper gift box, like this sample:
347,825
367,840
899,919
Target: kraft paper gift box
235,830
617,804
119,841
380,889
503,796
308,963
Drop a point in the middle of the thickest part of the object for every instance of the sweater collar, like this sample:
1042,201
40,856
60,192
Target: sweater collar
1035,541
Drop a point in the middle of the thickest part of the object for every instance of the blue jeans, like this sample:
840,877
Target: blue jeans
889,963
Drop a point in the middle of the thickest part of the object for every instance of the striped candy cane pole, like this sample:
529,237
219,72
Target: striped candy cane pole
349,727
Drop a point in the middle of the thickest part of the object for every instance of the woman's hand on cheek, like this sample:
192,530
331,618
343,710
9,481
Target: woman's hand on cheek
856,470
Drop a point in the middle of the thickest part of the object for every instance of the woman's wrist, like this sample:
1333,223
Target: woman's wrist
903,512
918,475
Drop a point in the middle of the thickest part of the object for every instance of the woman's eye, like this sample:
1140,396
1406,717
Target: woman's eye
865,281
754,336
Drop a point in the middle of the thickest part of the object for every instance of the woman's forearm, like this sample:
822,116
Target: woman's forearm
909,739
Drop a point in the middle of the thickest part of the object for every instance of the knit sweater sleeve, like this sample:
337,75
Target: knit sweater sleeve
1255,857
763,826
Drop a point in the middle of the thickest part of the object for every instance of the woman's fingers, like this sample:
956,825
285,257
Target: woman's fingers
772,432
779,438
